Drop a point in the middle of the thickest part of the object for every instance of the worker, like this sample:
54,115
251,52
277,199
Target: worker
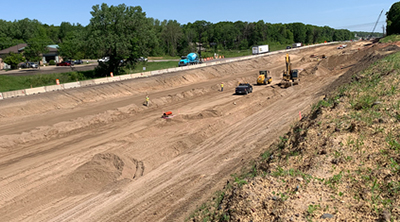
222,86
147,100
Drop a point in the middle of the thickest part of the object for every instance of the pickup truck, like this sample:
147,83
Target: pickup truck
244,88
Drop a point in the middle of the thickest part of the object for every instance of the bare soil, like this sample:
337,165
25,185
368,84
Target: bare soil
97,154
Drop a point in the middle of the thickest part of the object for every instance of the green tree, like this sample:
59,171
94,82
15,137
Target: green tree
72,46
393,19
172,35
13,59
119,32
36,47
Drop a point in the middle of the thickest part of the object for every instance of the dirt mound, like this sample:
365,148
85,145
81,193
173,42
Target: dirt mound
391,48
203,115
103,169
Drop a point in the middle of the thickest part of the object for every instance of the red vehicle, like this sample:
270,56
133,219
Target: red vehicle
65,63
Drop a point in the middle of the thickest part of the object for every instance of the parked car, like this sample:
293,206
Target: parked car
288,47
78,61
142,59
104,59
28,65
244,88
64,63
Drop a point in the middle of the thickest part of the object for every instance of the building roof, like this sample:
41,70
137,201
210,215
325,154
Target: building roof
14,49
21,47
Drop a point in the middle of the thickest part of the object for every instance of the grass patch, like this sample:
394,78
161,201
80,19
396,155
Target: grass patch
390,38
9,83
151,66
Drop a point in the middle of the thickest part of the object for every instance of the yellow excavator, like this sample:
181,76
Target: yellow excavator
263,78
290,76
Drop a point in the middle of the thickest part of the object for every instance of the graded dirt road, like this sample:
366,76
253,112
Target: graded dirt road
97,154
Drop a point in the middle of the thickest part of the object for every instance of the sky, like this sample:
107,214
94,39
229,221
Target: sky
354,15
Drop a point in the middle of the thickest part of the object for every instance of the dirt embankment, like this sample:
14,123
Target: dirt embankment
97,154
339,162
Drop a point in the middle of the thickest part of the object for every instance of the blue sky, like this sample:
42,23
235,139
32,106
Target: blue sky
353,15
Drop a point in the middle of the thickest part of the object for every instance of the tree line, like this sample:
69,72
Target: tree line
125,33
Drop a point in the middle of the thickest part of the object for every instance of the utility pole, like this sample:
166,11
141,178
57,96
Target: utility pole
200,47
383,30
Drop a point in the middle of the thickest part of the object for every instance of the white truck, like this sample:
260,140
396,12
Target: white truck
260,49
296,45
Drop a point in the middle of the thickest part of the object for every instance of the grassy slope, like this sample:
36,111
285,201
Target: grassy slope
390,38
342,160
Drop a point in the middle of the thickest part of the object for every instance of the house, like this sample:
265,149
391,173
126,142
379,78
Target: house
52,53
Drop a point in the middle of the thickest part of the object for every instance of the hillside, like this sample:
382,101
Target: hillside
340,161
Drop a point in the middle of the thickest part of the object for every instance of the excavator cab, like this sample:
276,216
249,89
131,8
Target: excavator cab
290,76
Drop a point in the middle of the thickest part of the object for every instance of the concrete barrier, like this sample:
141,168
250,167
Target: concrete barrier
154,72
101,80
1,96
87,83
125,77
137,75
15,93
53,88
172,69
71,85
36,90
113,79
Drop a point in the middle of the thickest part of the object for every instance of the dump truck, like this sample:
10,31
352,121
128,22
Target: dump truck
260,49
290,76
263,78
190,59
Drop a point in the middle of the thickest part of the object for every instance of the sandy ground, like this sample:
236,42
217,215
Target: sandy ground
97,154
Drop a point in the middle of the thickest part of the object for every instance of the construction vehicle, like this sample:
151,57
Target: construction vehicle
290,76
243,88
190,59
263,78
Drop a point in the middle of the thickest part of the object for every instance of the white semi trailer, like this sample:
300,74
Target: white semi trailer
260,49
296,45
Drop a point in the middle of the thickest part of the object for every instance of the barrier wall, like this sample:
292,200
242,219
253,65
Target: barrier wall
36,90
87,83
71,85
113,79
12,94
101,81
137,75
31,91
124,77
53,88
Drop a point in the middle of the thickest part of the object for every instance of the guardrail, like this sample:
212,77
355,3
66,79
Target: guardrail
38,90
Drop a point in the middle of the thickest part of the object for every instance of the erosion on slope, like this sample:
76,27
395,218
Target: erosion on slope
340,161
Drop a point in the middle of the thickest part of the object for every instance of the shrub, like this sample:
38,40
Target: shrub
52,62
